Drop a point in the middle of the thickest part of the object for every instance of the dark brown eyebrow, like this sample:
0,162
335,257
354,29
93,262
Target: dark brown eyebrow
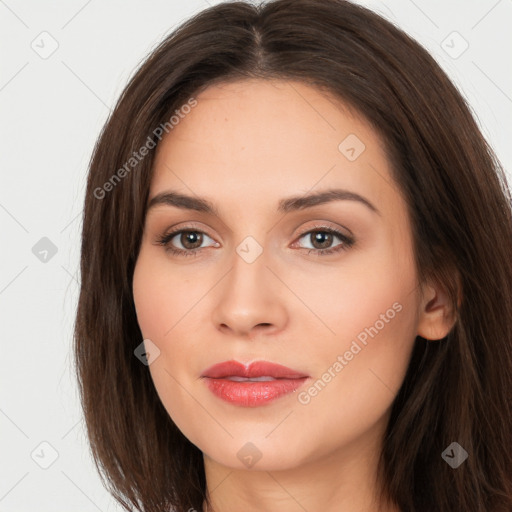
323,197
171,198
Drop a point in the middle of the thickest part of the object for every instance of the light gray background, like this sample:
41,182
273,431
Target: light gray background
52,110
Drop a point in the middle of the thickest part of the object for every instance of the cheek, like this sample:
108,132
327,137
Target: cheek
369,296
360,376
162,301
161,297
169,310
358,373
360,368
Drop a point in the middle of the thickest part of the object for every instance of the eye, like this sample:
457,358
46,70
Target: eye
322,237
190,241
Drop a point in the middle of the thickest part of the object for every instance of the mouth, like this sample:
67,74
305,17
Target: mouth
235,378
254,385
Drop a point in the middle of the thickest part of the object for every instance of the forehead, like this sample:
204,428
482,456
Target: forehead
257,138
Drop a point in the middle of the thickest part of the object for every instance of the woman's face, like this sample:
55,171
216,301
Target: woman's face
264,277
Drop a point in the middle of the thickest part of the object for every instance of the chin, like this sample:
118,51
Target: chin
256,454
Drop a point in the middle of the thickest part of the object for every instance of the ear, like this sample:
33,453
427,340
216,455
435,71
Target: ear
436,314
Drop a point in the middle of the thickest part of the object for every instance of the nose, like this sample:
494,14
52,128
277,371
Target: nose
250,300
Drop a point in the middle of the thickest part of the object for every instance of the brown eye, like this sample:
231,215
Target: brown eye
184,242
321,239
191,239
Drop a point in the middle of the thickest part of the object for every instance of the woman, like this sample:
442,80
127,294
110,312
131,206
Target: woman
296,288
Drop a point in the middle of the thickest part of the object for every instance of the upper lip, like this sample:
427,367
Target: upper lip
255,369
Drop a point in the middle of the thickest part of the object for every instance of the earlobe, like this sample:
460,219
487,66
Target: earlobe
436,315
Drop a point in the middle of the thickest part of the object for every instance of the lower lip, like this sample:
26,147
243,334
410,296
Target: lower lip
252,394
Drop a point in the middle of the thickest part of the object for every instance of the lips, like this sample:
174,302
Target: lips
250,386
254,370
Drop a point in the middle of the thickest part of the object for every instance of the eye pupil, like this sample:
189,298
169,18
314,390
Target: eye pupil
324,238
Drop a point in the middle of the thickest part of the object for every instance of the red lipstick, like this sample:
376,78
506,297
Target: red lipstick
253,385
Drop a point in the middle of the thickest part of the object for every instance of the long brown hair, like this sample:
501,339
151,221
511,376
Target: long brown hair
456,390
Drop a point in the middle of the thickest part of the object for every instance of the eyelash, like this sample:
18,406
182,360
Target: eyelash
347,241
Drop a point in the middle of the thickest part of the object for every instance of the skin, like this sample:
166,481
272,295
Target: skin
245,146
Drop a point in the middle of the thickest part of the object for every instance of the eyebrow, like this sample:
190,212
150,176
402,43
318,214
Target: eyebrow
295,203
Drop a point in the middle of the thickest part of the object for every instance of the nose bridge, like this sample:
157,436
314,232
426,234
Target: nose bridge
248,280
249,265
